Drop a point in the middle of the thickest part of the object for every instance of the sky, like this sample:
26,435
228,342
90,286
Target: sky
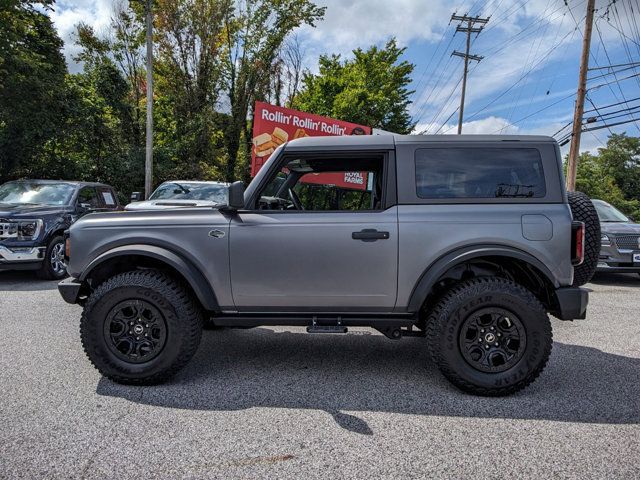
525,84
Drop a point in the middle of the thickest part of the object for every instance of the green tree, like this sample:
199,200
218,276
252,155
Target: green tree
254,34
370,89
610,174
621,160
188,73
32,74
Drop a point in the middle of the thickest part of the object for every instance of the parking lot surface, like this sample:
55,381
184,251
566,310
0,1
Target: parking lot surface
280,403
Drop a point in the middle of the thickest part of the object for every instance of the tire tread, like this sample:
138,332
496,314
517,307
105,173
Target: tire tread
189,312
439,316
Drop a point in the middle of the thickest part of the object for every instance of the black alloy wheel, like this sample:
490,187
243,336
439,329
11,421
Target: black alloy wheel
492,340
135,331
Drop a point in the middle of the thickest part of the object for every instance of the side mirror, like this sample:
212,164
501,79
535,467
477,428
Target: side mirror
236,196
136,196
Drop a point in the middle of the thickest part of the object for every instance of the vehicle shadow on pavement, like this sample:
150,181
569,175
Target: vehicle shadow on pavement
241,369
24,281
616,279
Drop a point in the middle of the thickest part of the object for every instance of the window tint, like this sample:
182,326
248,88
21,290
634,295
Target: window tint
479,173
88,195
329,184
322,191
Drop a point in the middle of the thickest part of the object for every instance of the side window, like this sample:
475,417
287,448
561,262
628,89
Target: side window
458,173
88,196
336,191
326,184
108,197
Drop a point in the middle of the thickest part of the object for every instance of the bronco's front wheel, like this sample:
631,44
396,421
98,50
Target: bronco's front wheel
140,327
489,336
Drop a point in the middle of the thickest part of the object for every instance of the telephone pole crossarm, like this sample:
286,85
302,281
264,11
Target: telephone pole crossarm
467,29
467,18
477,58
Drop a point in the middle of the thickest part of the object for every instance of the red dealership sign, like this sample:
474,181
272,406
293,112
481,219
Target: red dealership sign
273,126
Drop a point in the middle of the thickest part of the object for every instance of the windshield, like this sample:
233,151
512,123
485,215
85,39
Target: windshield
25,193
191,191
609,213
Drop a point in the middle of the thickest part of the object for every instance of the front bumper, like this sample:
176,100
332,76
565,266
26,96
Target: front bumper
571,303
71,290
617,260
24,254
20,258
616,268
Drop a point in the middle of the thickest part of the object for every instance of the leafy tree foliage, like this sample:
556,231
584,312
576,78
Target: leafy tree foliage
254,34
613,175
32,73
370,89
213,59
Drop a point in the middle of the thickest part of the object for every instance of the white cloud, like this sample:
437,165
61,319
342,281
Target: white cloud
485,126
68,13
348,25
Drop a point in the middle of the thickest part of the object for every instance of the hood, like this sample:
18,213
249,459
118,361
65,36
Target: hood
11,210
169,203
620,228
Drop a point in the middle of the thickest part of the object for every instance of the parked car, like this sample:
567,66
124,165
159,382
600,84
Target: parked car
35,213
620,249
467,240
180,194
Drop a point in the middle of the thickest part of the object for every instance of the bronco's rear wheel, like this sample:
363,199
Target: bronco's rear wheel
489,336
583,211
140,327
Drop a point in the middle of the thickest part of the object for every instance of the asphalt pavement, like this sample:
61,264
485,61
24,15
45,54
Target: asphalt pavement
280,403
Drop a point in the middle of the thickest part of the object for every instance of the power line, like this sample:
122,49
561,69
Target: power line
615,66
613,104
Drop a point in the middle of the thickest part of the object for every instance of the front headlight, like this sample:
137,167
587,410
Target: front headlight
605,241
28,229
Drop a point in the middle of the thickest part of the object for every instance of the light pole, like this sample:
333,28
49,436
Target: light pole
148,161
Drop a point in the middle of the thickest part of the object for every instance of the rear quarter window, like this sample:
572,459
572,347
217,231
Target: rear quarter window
463,173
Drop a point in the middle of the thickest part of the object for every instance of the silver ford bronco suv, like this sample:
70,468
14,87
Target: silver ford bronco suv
469,241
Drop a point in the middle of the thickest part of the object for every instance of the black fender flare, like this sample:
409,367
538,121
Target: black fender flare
190,272
434,271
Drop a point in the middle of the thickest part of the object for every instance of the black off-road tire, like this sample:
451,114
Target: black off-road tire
583,210
48,271
181,314
461,303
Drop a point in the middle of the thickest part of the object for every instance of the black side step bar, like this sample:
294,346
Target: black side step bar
316,328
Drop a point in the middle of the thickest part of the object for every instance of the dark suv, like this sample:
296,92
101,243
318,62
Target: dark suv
34,215
620,249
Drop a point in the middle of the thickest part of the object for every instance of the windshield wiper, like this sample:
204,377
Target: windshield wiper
184,189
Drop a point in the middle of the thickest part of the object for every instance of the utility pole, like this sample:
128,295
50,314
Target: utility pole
148,161
574,150
469,29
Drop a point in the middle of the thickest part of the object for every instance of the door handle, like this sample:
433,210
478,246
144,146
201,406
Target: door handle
370,235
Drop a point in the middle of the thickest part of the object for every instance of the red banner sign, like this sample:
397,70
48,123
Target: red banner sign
273,126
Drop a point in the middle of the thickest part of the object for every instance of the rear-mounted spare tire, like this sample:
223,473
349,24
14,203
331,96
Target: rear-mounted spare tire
583,211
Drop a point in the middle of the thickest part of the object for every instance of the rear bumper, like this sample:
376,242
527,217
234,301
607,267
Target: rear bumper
571,303
70,289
